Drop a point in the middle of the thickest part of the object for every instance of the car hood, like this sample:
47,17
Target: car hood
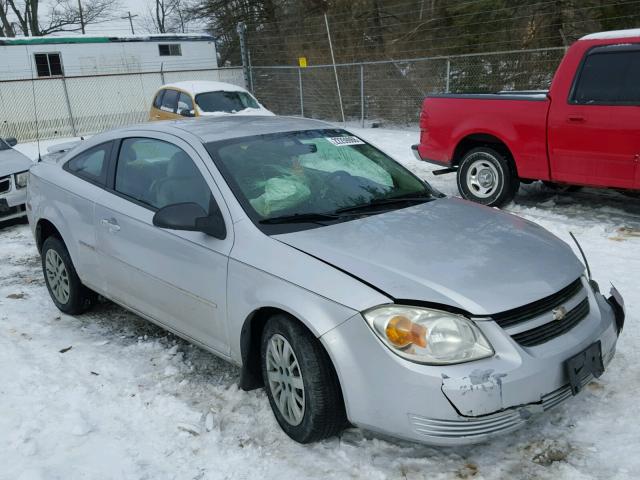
447,251
12,161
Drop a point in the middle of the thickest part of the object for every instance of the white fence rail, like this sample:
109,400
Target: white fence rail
84,105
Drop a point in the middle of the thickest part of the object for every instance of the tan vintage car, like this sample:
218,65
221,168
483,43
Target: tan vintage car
196,99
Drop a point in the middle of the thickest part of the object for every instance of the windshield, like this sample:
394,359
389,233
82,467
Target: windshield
311,172
229,102
4,145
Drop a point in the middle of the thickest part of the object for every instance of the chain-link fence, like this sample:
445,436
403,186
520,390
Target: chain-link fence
392,91
83,105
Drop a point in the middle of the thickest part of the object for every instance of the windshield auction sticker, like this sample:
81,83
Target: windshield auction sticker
345,141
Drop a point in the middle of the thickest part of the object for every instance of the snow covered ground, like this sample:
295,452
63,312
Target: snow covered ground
109,395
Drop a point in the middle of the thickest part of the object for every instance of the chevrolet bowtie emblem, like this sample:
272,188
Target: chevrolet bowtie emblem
559,313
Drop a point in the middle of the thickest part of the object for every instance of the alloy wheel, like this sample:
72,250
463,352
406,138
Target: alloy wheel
285,379
57,276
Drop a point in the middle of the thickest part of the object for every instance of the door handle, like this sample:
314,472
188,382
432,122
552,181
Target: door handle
111,224
575,119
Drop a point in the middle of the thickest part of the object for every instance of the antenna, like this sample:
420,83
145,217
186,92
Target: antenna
35,105
584,257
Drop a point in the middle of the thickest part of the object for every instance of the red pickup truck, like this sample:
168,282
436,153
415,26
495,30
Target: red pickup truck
584,131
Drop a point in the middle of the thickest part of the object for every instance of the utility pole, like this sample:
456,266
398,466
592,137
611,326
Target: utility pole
130,17
81,16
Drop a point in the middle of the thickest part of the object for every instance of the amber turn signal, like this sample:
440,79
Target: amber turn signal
402,332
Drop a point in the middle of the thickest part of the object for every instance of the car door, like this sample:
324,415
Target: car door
595,138
176,278
185,105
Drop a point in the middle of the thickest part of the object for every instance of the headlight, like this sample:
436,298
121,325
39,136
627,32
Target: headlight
428,336
21,179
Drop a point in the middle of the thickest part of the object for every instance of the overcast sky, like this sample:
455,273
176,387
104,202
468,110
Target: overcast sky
121,26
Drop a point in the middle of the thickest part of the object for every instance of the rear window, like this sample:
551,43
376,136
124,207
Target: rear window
91,164
611,78
229,102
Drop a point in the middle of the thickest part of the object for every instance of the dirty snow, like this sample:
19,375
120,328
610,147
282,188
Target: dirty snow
108,395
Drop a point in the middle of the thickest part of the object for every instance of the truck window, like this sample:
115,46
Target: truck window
611,78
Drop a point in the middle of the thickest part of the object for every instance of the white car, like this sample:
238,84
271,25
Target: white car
200,99
14,173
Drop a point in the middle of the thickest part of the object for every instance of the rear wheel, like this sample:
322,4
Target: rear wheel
66,290
300,382
486,176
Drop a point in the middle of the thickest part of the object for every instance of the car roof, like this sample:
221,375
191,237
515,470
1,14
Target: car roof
213,129
200,86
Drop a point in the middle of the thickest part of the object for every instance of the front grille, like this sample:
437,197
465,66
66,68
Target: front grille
5,184
519,315
554,328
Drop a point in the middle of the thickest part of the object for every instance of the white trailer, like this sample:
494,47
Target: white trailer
86,55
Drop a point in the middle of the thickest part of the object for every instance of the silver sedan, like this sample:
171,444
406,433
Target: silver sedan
338,280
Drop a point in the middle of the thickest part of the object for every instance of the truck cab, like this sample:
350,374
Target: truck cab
584,131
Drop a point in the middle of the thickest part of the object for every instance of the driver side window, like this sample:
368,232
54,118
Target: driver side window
157,173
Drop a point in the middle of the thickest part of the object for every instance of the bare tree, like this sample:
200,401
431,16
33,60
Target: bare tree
6,26
59,15
166,16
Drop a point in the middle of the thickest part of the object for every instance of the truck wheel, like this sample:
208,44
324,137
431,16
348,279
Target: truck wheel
301,384
485,176
66,290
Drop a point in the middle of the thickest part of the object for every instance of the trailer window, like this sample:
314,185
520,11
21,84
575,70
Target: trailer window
48,64
170,50
609,79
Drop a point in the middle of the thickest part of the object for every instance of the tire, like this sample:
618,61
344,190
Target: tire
488,177
320,407
65,288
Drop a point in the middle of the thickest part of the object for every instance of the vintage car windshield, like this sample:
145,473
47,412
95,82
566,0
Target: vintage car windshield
229,102
311,172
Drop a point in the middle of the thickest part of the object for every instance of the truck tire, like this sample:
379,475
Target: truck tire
65,288
486,176
300,381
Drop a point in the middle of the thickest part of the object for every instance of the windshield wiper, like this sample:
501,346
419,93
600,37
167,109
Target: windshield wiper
300,218
376,202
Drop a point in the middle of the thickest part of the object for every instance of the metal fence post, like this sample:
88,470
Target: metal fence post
301,94
66,97
241,29
362,95
447,80
162,73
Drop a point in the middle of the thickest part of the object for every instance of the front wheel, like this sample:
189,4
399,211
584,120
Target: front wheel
486,176
300,381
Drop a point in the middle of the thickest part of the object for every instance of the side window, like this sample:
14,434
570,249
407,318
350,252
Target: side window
91,164
169,50
157,102
169,101
48,64
609,78
185,105
158,174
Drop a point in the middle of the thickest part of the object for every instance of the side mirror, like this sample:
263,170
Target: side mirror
187,113
11,141
190,217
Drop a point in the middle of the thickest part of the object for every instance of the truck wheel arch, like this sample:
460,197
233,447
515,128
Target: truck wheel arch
474,140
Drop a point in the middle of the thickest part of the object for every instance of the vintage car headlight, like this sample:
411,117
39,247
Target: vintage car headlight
428,336
21,179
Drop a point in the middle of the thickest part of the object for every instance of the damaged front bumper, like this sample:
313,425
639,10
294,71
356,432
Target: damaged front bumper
464,403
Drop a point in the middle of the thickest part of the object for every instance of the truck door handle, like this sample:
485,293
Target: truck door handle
111,224
575,119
